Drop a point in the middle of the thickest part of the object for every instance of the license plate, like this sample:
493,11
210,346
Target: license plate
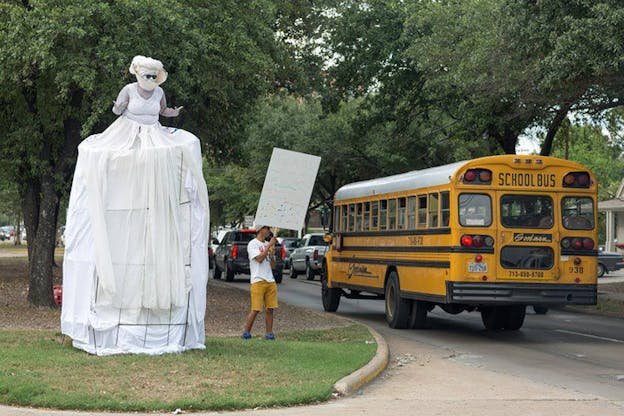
474,267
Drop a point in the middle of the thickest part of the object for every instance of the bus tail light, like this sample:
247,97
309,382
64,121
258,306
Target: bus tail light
478,258
578,243
478,176
576,180
234,251
476,241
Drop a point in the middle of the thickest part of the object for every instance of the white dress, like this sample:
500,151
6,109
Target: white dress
136,264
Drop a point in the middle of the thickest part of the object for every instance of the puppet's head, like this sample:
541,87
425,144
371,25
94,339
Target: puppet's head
149,72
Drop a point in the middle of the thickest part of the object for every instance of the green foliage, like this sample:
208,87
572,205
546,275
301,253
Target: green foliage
38,369
589,146
475,70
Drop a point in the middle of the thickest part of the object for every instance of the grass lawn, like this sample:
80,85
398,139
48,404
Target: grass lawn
608,306
41,369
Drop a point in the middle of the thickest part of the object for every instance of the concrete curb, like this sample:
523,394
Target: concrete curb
376,365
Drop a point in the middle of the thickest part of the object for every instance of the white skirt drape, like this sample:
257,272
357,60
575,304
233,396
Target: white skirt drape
136,254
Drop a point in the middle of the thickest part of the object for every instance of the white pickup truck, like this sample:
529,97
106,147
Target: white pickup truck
308,256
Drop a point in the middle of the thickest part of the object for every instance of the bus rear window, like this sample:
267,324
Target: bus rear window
577,213
527,211
475,210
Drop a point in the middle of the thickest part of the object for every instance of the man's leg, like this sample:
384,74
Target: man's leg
268,319
250,320
270,301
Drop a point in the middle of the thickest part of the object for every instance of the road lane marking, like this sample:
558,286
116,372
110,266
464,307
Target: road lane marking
590,336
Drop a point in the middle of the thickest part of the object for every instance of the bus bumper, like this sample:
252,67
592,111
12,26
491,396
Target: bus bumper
520,293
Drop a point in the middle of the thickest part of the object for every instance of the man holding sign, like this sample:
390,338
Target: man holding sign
283,203
263,286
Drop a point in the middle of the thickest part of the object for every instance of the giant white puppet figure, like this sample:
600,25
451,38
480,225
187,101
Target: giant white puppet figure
136,265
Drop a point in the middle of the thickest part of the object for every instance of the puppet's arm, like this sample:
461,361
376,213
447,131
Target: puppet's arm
121,102
166,111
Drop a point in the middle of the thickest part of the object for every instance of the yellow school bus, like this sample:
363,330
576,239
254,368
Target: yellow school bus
493,235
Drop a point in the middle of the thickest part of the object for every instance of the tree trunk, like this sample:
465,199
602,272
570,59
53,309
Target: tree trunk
30,209
561,114
41,243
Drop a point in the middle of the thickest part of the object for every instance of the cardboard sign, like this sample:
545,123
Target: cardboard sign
287,189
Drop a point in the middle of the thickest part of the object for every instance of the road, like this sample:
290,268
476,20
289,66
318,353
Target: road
574,351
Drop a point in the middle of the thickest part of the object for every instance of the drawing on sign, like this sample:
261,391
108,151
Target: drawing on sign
287,189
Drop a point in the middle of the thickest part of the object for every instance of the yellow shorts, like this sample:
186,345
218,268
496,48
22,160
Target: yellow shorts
263,294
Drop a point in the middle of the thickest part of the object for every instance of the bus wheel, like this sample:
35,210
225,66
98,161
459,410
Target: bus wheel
329,295
540,309
515,317
397,308
493,317
418,314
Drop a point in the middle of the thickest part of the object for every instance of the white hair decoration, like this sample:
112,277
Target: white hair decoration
142,64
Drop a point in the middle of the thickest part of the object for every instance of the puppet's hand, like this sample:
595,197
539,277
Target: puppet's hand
177,110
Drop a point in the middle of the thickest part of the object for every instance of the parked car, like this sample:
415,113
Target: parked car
231,256
5,233
308,256
609,262
289,244
214,243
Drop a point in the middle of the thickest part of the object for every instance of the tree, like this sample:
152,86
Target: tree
62,62
502,66
475,70
589,146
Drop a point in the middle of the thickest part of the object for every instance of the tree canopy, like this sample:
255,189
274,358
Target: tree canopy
62,62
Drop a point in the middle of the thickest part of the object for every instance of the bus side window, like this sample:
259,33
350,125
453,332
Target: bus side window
411,212
392,213
401,214
351,216
343,213
433,210
422,211
374,215
366,220
358,217
336,224
383,211
445,210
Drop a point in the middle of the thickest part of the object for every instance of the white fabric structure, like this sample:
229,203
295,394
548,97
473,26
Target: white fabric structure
136,255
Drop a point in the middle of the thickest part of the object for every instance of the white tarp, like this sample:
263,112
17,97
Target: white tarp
287,189
136,263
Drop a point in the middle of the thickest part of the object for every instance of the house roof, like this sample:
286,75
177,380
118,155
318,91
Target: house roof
611,205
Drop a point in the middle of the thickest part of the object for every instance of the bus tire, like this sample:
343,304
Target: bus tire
397,308
540,309
515,317
329,295
418,314
493,318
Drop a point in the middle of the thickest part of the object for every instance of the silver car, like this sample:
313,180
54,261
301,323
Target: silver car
308,257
